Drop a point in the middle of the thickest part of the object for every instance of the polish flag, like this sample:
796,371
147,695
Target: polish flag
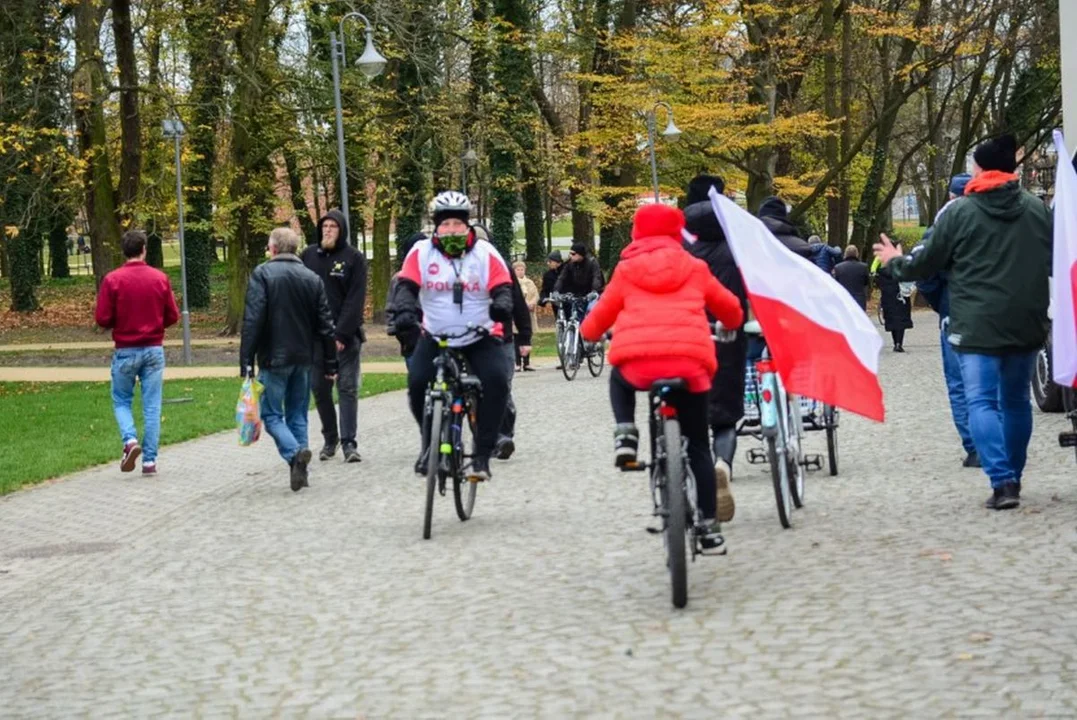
1064,272
824,346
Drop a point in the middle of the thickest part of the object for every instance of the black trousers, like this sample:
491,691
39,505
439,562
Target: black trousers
508,421
692,409
347,383
487,361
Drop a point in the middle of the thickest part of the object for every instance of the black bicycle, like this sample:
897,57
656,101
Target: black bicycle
673,486
571,349
449,420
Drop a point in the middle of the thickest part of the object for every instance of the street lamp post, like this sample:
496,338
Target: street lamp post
173,128
371,63
671,133
467,160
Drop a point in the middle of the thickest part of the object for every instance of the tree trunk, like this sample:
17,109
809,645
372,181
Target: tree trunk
380,271
130,125
207,52
299,195
830,102
155,256
24,271
846,123
533,216
58,267
89,96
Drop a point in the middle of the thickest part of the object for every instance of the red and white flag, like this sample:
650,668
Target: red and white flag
1064,271
824,346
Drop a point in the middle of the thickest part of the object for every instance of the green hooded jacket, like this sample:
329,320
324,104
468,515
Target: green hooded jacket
996,245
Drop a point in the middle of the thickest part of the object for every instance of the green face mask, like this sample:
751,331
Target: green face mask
453,245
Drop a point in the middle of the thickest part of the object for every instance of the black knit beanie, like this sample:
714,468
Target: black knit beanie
700,186
998,153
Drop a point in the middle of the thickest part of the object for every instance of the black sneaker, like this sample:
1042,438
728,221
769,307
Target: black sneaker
421,465
351,454
972,460
1007,497
299,473
710,537
625,445
480,468
328,451
505,448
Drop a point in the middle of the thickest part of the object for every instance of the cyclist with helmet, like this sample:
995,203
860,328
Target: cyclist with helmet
459,281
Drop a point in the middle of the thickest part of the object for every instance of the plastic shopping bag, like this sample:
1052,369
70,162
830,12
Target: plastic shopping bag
248,418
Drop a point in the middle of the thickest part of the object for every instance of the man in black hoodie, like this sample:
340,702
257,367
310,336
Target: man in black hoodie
727,391
775,216
343,270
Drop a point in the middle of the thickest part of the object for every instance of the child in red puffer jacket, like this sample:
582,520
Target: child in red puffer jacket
657,303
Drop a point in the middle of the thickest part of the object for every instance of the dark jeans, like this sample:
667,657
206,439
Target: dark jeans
284,404
692,411
347,389
487,361
725,444
508,421
1000,411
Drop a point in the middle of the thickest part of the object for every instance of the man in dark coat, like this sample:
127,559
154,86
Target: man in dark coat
775,216
854,276
727,391
549,279
343,269
897,309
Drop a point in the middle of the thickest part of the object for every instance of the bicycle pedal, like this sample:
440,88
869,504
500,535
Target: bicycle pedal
756,457
813,462
654,531
1067,439
714,552
633,467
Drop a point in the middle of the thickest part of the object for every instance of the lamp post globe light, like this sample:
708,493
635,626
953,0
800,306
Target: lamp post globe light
172,127
468,160
672,133
371,63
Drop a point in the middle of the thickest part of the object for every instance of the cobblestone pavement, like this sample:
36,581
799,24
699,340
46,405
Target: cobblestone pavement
214,591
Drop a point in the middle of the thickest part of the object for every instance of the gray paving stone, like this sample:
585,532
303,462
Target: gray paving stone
214,591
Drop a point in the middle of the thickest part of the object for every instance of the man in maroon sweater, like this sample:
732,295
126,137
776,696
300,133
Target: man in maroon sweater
135,301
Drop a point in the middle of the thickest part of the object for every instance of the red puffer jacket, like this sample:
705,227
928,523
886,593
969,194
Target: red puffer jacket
657,303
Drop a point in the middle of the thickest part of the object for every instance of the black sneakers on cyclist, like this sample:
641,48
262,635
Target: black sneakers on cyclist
625,444
421,466
709,534
480,468
505,448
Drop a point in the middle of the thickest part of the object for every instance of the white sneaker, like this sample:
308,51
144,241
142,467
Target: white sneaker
722,475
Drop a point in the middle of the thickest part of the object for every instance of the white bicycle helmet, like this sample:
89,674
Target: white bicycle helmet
451,204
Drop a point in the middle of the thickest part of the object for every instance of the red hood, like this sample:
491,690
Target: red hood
988,181
656,264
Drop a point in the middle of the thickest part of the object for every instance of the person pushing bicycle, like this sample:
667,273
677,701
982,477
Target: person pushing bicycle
459,281
657,302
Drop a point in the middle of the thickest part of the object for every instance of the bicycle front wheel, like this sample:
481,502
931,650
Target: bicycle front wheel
570,357
433,461
830,420
793,454
676,505
779,474
463,490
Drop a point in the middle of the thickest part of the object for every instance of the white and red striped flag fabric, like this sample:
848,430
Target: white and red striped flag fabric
824,346
1064,271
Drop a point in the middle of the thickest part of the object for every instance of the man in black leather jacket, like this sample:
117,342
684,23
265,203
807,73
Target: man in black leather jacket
286,313
343,269
726,405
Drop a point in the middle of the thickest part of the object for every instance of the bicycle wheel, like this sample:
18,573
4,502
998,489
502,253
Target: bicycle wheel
793,455
433,461
463,490
597,359
830,420
779,474
676,505
570,358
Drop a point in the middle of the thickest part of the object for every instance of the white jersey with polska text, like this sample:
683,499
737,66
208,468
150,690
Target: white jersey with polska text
480,270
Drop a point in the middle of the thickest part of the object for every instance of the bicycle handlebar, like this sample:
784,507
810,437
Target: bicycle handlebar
570,297
471,329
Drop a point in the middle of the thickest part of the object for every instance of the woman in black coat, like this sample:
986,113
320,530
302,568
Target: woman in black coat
727,391
897,310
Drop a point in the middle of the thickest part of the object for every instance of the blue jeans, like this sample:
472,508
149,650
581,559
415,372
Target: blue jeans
1000,411
955,388
147,365
284,407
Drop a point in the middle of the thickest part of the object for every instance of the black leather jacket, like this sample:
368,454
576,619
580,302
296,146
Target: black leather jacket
286,312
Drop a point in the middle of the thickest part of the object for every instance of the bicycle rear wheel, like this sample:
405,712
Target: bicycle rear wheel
433,461
597,359
793,454
830,420
463,490
779,474
675,502
570,353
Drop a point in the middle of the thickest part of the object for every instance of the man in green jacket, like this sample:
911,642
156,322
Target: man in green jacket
995,243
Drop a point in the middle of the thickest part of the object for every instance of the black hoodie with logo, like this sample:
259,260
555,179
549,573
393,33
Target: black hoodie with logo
344,272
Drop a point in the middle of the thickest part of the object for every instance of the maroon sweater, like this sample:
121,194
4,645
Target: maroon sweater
136,301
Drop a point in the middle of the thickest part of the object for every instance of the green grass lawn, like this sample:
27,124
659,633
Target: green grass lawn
51,429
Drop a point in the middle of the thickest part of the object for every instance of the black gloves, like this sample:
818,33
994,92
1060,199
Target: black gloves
501,304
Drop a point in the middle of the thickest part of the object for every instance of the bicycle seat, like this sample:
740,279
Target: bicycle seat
669,384
470,382
752,327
